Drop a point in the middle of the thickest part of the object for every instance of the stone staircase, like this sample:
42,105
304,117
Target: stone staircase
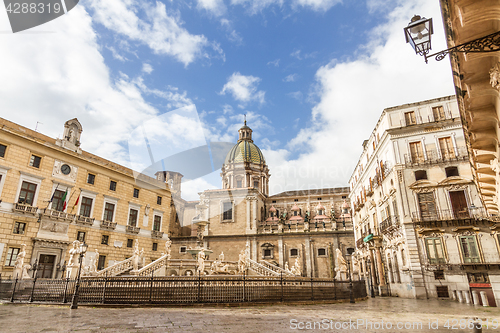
266,269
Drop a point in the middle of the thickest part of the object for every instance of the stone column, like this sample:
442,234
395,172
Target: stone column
254,218
280,250
466,296
380,267
254,250
484,298
308,256
248,214
460,296
475,297
454,295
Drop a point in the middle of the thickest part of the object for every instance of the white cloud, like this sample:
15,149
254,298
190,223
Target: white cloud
115,54
291,78
317,5
275,63
70,79
147,68
231,34
298,54
296,95
244,88
256,6
352,96
215,7
161,32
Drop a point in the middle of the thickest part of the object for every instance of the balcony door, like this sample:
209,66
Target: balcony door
427,206
416,151
459,204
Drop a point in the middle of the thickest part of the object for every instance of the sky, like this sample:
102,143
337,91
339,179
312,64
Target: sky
149,80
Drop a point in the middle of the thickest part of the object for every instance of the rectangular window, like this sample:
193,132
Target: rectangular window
321,252
11,256
112,185
130,242
294,252
80,236
19,228
442,292
183,249
439,275
446,147
57,200
435,252
101,263
255,184
410,118
416,152
469,249
155,247
3,148
238,184
90,179
227,208
267,253
438,112
109,210
27,194
157,223
104,239
136,192
158,200
35,161
132,217
86,207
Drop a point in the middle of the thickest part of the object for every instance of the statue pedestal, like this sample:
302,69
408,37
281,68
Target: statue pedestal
341,276
72,272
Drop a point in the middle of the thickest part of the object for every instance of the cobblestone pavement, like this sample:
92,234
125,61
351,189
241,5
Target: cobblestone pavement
372,315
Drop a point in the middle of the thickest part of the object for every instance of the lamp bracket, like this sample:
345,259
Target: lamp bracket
490,43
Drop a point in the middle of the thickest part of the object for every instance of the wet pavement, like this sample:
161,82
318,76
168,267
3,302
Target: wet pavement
373,315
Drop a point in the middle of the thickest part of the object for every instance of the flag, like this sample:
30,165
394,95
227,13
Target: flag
52,198
64,200
76,203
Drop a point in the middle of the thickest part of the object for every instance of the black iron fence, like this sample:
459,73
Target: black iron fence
180,290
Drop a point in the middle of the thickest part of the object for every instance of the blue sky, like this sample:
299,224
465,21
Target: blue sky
313,76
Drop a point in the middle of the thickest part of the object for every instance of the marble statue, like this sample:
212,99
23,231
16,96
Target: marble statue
94,262
341,267
19,264
201,262
242,262
142,258
286,267
495,76
355,264
295,270
136,257
218,267
72,267
146,210
168,245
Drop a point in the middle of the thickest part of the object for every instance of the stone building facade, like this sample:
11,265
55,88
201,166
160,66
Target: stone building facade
477,82
278,229
419,220
52,193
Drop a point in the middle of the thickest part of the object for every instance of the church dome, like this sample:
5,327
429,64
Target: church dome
245,150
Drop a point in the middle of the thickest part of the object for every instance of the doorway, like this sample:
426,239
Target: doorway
45,266
459,204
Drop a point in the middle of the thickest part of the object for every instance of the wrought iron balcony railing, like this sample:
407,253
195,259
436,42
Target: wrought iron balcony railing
432,156
449,214
390,223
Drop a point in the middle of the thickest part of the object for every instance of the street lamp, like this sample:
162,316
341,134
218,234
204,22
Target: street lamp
350,251
418,34
369,263
34,268
81,251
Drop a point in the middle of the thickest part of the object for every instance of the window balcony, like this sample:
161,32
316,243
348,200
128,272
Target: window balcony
108,225
133,230
25,209
467,214
83,220
55,214
156,234
433,156
389,225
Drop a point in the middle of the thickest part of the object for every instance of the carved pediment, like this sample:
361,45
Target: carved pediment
455,180
423,184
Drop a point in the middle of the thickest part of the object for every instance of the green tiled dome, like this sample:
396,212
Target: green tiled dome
245,151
